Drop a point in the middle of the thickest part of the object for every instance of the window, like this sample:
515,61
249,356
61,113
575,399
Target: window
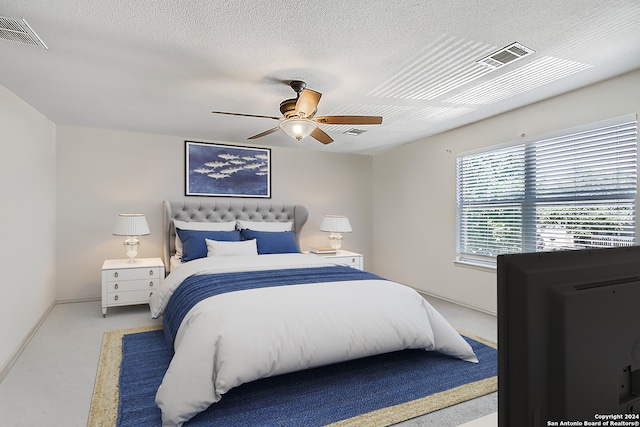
572,190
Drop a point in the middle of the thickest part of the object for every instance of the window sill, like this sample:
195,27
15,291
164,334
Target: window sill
475,265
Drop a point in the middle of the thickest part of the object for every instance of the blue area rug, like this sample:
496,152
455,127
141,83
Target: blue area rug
315,397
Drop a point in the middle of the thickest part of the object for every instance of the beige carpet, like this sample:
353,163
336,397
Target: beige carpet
104,403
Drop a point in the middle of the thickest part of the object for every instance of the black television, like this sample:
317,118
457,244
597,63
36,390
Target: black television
569,337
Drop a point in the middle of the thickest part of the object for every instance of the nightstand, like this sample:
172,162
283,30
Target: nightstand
125,283
347,258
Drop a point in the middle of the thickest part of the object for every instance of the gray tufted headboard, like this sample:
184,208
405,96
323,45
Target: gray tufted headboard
218,211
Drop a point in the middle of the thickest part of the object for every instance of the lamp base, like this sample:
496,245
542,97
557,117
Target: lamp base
335,241
131,245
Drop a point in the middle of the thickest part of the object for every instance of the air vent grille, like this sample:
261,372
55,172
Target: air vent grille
506,55
17,30
354,132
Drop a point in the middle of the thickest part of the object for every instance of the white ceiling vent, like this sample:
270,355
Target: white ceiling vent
17,30
354,132
505,56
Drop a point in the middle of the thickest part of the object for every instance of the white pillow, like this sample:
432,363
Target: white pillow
219,248
265,226
206,226
203,226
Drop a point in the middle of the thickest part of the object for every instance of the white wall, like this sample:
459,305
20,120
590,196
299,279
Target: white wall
27,185
104,172
414,223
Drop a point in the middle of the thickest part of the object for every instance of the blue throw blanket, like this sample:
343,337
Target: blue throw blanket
196,288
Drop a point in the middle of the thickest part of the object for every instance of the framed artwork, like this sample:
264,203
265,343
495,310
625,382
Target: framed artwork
227,170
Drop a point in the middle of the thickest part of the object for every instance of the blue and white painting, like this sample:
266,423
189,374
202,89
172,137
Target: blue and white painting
226,170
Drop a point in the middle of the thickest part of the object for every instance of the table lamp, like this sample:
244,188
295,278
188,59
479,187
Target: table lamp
131,226
335,225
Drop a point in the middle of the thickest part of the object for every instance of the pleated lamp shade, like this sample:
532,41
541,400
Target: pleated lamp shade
131,225
335,224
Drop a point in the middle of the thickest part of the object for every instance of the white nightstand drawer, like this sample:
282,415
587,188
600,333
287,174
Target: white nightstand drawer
354,262
125,283
128,298
133,274
132,285
350,259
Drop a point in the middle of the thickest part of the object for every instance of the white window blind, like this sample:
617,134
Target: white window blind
572,190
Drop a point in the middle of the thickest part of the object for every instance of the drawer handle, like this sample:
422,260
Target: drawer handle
115,286
115,274
150,272
115,298
353,260
151,284
150,293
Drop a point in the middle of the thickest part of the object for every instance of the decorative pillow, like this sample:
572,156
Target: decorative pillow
220,248
209,226
271,242
264,226
194,245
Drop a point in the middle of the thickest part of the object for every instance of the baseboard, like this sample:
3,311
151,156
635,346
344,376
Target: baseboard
72,300
18,351
482,310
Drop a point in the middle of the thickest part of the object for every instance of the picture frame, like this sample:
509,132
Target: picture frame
219,170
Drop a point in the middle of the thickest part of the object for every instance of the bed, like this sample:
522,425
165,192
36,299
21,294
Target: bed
245,304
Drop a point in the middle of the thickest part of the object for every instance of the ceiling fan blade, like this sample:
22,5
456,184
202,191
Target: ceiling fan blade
265,133
321,136
307,103
349,120
246,115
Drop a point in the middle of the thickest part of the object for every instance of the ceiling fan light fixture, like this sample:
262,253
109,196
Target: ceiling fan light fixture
298,128
298,123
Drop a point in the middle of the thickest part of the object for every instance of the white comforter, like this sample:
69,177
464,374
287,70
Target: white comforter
238,337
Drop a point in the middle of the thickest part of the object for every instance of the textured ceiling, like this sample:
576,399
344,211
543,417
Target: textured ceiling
162,66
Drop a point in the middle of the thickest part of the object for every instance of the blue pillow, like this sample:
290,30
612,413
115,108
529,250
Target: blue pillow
194,246
273,242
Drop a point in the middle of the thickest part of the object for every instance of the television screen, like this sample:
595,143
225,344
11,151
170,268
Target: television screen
569,338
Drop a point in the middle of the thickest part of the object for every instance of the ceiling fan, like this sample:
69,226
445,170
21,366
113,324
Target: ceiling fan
299,119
